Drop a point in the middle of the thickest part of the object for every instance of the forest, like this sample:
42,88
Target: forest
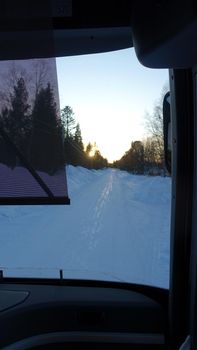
33,128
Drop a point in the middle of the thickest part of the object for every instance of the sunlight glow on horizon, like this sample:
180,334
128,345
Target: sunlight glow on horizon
109,94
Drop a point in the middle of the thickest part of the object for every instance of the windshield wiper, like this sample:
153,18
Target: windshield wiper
26,163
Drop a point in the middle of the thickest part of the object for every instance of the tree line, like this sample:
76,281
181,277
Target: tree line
144,156
147,156
49,138
75,151
31,130
32,125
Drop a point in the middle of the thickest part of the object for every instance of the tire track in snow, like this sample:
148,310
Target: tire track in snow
92,226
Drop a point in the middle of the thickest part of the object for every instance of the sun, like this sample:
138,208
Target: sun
92,153
92,150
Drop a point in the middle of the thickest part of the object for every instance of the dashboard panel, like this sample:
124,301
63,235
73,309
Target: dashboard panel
50,316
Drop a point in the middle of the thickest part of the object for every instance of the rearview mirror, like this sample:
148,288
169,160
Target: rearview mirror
167,132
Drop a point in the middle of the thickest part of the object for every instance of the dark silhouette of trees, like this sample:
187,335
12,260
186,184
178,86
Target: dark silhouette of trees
69,125
98,161
94,158
78,137
152,158
19,122
78,147
133,159
74,150
46,146
147,156
9,80
29,116
89,148
154,127
68,121
40,76
137,157
16,121
142,158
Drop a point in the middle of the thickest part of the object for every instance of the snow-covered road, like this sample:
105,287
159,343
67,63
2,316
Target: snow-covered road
117,228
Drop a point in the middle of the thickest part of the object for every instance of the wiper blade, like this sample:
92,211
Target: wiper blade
26,163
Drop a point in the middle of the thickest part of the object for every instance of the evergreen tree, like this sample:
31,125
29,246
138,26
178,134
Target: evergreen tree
17,120
99,162
88,158
78,148
7,154
133,159
68,121
78,138
89,149
46,147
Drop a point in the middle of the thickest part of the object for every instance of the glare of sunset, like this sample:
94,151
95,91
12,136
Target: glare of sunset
109,94
91,153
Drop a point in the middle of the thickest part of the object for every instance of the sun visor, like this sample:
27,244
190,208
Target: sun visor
79,27
32,161
32,166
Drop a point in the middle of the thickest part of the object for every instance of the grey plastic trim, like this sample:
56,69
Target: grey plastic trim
94,337
11,298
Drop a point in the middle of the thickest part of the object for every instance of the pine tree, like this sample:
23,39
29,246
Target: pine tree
7,154
17,120
89,149
98,161
133,159
46,147
78,138
68,121
78,148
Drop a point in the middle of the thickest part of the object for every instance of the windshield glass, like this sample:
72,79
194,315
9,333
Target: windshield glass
117,227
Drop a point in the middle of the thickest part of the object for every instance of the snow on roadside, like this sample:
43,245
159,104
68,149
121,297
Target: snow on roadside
78,177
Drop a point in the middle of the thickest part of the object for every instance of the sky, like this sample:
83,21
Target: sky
110,94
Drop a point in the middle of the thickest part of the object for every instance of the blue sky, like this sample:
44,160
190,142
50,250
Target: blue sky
109,94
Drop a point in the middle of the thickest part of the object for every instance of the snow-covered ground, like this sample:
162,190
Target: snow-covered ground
117,228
